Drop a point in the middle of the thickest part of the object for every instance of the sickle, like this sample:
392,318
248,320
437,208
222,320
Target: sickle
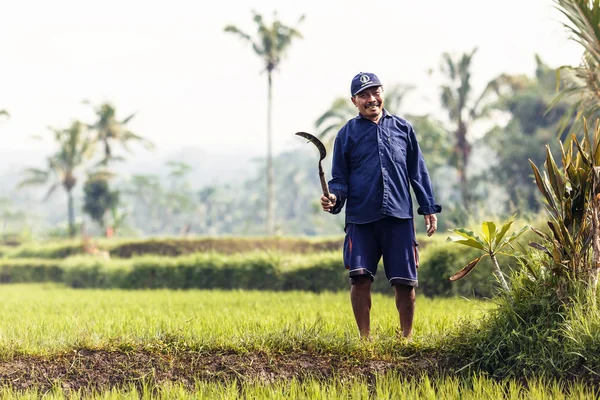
322,153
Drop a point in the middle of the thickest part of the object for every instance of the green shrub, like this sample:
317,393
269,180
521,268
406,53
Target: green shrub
52,250
317,272
441,260
31,271
539,328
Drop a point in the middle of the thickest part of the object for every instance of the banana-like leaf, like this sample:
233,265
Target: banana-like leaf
466,269
488,230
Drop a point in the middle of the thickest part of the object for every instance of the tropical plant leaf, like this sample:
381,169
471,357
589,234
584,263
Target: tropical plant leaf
504,229
466,269
582,152
542,234
488,229
467,242
554,175
466,234
542,186
469,236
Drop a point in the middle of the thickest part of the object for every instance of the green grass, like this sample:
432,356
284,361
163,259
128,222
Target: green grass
47,318
388,386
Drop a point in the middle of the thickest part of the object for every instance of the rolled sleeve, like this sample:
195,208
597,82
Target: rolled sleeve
428,210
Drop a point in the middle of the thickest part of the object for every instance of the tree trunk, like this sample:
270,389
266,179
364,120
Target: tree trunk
71,214
464,150
270,180
498,273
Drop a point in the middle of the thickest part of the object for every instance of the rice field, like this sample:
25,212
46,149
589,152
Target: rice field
213,344
47,318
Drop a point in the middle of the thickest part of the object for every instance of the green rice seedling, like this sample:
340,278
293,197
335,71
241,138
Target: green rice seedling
384,387
47,318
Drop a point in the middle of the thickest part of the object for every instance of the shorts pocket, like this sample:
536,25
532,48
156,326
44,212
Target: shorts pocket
416,252
348,245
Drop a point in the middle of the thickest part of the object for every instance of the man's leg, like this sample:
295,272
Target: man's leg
360,296
405,303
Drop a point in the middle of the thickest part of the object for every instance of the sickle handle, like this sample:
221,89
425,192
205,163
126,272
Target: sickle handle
323,182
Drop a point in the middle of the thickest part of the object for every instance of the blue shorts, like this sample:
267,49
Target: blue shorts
392,238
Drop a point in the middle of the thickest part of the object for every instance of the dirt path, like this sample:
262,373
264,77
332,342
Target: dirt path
100,370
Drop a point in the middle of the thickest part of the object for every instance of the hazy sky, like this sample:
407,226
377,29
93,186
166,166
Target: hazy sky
194,85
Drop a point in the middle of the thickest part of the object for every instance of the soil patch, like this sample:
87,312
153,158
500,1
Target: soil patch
98,370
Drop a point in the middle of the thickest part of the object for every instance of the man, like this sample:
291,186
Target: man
376,159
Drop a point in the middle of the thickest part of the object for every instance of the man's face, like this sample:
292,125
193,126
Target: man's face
369,102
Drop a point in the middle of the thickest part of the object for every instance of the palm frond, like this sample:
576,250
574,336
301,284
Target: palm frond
34,177
449,102
582,83
51,190
271,42
234,30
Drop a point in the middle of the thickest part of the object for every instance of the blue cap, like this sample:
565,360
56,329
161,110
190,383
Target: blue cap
363,80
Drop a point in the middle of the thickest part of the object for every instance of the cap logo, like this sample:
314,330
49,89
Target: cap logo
365,79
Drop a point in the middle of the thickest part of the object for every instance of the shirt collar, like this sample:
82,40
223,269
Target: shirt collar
384,114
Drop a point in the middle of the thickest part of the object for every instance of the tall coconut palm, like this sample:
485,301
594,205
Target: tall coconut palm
4,114
582,82
342,110
75,149
456,98
109,131
270,44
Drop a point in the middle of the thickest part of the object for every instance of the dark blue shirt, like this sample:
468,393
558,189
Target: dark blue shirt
373,168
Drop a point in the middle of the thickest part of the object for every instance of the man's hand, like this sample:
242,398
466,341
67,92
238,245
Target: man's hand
328,203
431,224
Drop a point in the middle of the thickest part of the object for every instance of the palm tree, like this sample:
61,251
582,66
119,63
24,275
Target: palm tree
332,120
110,130
270,44
75,148
342,110
582,82
456,99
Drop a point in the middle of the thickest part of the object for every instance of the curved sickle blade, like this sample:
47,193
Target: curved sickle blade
323,153
316,142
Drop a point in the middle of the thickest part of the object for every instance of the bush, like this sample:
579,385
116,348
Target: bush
539,328
175,247
441,260
316,272
126,248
